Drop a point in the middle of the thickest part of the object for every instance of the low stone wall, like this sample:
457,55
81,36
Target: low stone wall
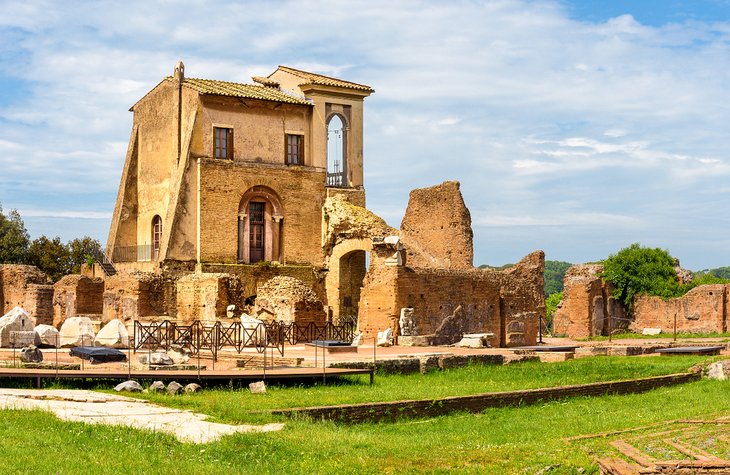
391,411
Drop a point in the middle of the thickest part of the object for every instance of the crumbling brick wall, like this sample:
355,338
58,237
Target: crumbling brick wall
27,287
702,310
133,296
205,296
288,300
77,295
588,307
447,303
436,228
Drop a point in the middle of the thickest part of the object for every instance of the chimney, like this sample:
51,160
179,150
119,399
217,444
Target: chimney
179,73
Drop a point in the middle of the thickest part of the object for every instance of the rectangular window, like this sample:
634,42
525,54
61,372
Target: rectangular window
294,149
223,143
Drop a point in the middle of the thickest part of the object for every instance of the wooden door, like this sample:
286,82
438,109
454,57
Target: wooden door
256,231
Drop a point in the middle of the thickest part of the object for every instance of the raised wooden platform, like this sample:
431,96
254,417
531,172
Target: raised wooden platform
269,374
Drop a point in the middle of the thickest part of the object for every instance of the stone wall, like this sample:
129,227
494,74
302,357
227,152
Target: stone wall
448,302
702,310
436,228
77,295
588,307
27,287
286,299
134,296
205,296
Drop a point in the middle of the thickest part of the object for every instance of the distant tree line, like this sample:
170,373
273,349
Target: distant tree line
50,255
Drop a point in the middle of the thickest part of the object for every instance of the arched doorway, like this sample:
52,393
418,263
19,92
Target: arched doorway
347,267
337,151
260,226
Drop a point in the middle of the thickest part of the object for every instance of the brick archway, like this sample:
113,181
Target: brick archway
347,268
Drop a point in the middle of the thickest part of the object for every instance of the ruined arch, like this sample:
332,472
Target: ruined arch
260,226
346,270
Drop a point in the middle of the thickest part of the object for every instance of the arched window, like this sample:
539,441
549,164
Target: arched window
156,237
260,226
336,152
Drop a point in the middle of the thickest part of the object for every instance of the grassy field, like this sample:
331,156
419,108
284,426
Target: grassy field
680,336
510,440
236,406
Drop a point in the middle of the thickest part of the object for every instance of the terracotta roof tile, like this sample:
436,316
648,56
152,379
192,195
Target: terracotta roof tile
325,80
248,91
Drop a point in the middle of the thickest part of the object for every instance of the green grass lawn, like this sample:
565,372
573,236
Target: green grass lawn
520,440
510,440
680,336
236,406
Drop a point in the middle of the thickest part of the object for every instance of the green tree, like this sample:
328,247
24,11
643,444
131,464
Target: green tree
639,270
554,274
81,251
14,238
721,272
551,304
51,256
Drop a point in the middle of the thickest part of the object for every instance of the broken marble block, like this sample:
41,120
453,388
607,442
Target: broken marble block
47,336
77,331
113,335
16,320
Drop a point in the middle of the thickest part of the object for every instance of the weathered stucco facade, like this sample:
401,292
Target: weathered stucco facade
220,172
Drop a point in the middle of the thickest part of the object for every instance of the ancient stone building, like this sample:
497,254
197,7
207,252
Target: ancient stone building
222,172
27,287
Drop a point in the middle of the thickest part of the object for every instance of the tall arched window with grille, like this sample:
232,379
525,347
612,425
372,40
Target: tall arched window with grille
156,237
336,151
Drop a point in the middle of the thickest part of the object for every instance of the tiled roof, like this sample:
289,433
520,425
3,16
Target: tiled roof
234,89
325,80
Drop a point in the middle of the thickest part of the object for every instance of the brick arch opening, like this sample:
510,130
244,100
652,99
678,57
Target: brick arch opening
260,226
347,269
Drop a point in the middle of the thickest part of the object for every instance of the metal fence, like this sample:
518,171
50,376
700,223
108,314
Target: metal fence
199,336
142,252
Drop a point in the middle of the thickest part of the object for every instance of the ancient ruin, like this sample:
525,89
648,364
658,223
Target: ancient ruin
247,200
588,308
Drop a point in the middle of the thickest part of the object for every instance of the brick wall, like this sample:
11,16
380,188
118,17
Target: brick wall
447,303
204,296
390,411
77,295
300,189
133,296
702,310
588,308
27,287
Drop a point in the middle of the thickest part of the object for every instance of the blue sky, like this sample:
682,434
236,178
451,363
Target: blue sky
574,127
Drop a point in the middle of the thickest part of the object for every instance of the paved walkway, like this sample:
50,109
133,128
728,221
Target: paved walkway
99,408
